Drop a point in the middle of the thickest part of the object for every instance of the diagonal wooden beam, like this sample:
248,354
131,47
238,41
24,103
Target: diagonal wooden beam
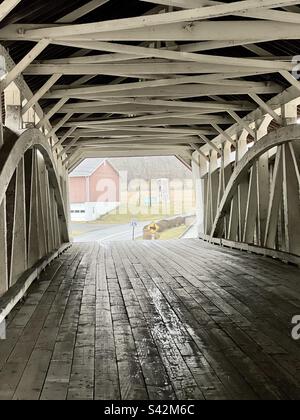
220,31
163,138
201,13
61,102
24,63
223,133
82,11
183,4
213,105
242,123
161,119
216,45
94,59
41,92
59,124
140,139
68,147
291,79
54,78
266,108
260,13
285,74
142,68
6,7
185,161
64,137
119,89
210,143
52,111
185,56
197,149
130,147
70,155
142,131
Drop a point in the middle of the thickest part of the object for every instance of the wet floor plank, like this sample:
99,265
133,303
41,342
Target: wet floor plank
155,320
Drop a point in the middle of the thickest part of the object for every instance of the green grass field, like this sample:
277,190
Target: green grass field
175,233
124,216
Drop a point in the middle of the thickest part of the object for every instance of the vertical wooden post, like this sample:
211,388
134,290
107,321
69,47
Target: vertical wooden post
225,173
40,170
198,191
252,207
3,247
200,167
33,230
291,200
13,115
243,187
274,202
19,253
263,186
237,210
214,179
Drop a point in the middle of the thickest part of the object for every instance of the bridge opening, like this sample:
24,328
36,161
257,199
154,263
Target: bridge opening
134,198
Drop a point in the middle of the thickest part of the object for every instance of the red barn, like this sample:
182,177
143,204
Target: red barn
94,189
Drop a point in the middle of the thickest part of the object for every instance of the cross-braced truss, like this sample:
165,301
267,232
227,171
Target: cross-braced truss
205,81
33,217
166,77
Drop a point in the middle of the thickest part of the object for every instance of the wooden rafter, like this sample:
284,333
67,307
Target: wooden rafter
164,92
6,7
201,13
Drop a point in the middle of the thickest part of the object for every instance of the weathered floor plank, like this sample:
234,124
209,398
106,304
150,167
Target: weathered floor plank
155,320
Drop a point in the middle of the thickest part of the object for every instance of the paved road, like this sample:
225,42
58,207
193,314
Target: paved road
104,233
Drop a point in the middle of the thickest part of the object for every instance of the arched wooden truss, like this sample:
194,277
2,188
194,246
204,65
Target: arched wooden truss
257,200
201,80
33,221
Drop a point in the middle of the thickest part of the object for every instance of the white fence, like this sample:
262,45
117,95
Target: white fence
88,212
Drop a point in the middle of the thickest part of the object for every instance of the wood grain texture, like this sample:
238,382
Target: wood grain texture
155,320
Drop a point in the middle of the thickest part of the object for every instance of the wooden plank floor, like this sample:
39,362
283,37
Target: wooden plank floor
155,320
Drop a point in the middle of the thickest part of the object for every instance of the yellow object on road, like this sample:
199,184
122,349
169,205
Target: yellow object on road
153,228
151,231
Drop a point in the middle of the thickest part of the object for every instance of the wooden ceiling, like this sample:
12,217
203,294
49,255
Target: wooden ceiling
145,77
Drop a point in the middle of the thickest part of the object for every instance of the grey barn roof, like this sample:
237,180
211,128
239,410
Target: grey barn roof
138,168
86,168
151,167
